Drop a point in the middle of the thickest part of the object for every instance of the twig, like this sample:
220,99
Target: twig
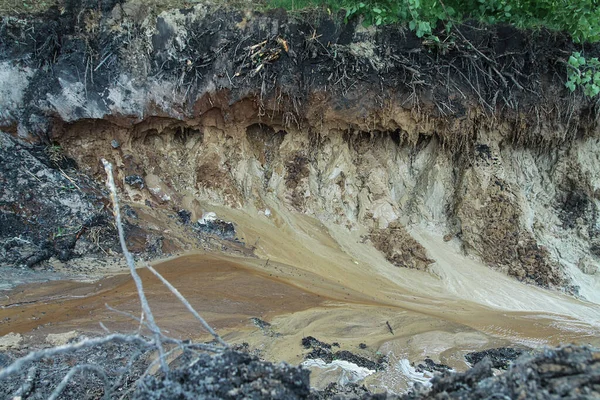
104,328
512,78
103,61
254,47
389,327
128,367
17,239
133,317
69,178
187,305
146,373
85,367
28,384
131,263
468,81
31,173
16,366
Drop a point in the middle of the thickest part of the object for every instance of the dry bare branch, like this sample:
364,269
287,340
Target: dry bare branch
18,364
28,384
85,367
187,304
131,263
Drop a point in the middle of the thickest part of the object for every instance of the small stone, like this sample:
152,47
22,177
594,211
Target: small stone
135,181
10,340
587,266
59,339
184,216
115,144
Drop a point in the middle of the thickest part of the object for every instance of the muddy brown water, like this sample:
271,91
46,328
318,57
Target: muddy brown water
223,291
228,292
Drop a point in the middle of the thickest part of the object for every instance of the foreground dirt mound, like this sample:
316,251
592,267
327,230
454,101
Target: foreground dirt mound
231,375
119,364
571,372
566,373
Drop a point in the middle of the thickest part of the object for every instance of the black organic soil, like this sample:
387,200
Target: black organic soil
498,68
500,357
231,375
323,351
123,365
45,209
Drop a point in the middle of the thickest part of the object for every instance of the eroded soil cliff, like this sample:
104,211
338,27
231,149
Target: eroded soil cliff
357,184
475,137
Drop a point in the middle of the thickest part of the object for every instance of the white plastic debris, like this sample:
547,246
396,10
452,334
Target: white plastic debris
207,217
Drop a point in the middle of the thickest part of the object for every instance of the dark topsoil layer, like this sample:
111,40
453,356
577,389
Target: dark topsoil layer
569,372
285,63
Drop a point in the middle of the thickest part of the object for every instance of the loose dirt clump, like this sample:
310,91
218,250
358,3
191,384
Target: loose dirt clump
297,171
323,351
431,366
399,247
501,357
222,229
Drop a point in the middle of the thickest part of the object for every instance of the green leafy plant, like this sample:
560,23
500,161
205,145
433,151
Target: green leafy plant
374,13
584,73
421,18
55,153
579,18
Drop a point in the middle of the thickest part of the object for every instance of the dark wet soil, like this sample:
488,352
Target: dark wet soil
122,363
323,351
231,375
500,358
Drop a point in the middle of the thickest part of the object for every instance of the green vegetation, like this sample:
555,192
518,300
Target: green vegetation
580,18
55,153
429,19
13,7
584,73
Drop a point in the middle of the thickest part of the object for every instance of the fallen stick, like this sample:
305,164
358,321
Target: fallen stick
131,263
